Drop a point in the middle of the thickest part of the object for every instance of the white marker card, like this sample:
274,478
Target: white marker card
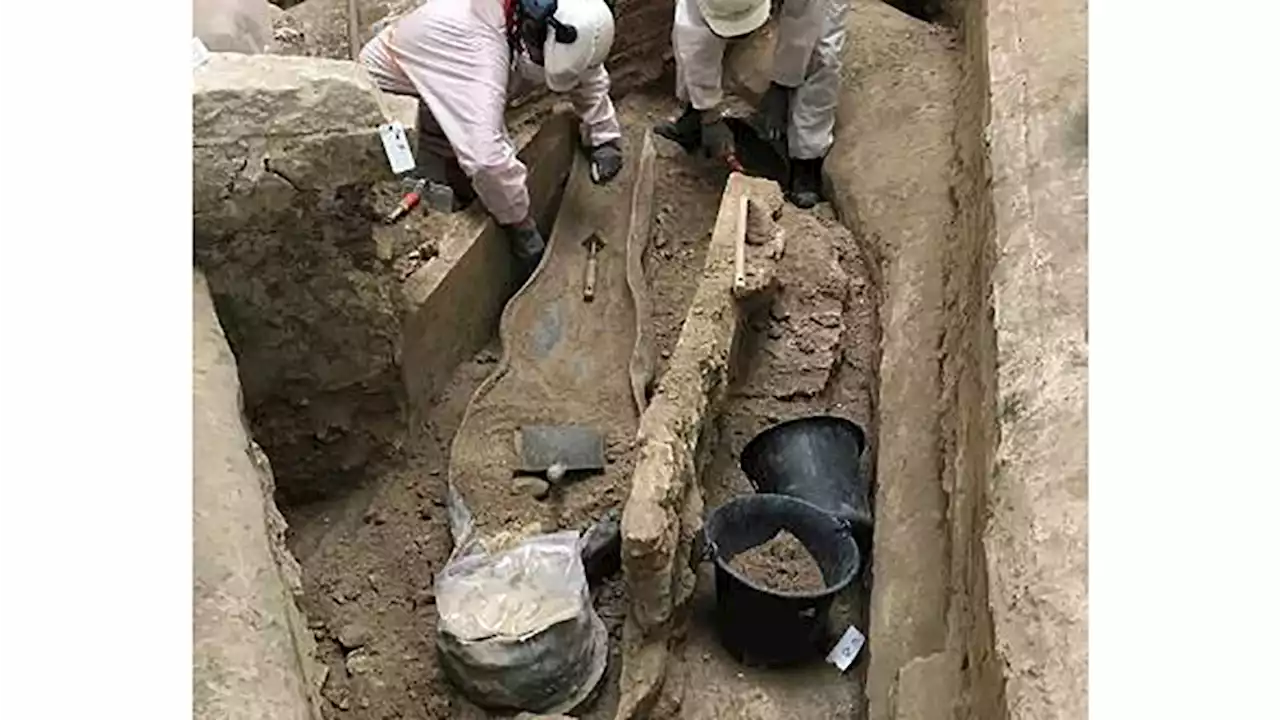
846,650
396,145
199,53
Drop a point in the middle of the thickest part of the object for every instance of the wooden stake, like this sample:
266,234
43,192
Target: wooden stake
740,246
353,30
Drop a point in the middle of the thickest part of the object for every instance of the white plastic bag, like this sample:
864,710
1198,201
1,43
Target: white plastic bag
517,629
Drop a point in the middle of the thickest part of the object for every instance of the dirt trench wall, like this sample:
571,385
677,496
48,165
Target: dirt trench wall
253,654
1035,538
978,601
343,327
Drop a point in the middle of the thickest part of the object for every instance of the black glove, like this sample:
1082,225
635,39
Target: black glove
527,245
717,139
770,118
606,162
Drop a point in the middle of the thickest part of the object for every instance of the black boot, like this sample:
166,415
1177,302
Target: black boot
804,186
685,130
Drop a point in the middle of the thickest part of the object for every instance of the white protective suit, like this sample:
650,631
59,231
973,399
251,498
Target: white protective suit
454,56
810,47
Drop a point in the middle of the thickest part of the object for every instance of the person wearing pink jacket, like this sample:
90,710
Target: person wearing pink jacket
463,59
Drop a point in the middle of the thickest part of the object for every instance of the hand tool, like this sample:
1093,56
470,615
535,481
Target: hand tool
740,245
566,448
407,203
593,243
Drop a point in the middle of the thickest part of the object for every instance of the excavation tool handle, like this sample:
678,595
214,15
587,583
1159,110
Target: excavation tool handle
593,244
740,245
734,164
408,202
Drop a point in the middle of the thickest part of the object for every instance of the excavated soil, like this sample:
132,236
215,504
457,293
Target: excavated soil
783,564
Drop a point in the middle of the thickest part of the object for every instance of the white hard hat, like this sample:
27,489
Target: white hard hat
731,18
564,62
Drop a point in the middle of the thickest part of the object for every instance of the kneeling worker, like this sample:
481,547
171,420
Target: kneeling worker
800,103
463,59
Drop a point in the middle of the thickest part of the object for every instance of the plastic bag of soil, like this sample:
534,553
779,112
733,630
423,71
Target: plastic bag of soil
516,628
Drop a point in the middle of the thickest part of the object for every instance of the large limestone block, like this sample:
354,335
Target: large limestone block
266,127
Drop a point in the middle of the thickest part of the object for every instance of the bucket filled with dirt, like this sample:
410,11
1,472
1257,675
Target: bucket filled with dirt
780,562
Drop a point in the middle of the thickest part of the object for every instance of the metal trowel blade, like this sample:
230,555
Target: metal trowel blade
573,446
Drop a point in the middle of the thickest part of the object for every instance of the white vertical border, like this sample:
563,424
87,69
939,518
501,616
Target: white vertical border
1184,361
95,359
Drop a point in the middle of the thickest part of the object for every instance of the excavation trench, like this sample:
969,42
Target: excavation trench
370,533
360,349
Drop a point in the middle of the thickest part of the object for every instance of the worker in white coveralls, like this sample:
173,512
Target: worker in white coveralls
800,104
463,59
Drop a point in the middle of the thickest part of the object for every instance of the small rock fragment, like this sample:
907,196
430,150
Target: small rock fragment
761,227
532,486
352,636
359,663
556,472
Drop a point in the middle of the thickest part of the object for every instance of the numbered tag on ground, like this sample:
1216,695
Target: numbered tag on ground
846,651
199,53
396,144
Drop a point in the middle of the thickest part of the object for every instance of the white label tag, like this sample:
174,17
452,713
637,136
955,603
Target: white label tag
846,650
199,53
396,144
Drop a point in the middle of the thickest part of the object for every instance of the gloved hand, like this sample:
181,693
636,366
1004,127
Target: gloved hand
527,245
770,117
606,162
717,139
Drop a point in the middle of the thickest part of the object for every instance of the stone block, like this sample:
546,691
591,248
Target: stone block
253,656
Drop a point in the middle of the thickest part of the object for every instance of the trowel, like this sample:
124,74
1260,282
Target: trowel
555,450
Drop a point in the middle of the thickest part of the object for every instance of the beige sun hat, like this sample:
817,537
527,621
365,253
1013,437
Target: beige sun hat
731,18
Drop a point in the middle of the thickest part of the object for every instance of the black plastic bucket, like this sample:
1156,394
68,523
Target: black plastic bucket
816,459
766,627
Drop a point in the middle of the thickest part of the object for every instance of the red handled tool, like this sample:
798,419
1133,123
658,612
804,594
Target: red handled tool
408,202
734,164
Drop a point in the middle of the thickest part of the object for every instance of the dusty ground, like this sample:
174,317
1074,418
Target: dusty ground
782,563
